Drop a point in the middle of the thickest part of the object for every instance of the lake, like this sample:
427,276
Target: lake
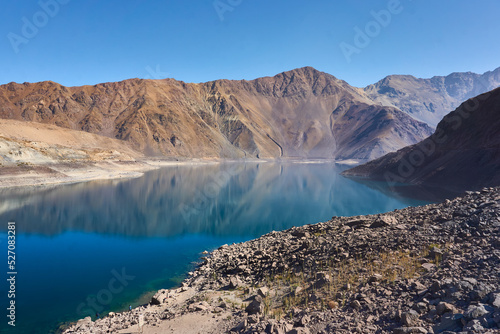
100,246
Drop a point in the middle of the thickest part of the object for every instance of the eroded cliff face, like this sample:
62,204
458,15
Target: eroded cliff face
301,113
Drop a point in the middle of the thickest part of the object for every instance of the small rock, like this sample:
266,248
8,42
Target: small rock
473,326
435,252
495,300
355,304
384,221
435,287
375,278
417,286
241,326
333,304
443,308
429,266
409,318
234,283
409,330
217,309
304,321
299,330
256,306
449,322
263,292
475,311
322,281
421,307
355,223
298,290
202,306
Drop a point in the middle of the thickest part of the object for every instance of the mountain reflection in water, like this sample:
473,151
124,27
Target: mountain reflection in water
219,199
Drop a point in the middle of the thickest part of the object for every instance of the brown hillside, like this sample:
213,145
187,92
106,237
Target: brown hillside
300,113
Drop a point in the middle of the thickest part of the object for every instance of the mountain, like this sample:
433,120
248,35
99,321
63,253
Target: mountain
301,113
462,154
35,143
428,100
43,154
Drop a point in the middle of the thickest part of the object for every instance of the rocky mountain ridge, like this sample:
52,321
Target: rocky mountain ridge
429,100
302,113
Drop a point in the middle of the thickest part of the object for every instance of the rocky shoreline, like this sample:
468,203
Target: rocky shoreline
430,269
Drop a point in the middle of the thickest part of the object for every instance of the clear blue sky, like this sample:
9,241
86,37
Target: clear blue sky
93,41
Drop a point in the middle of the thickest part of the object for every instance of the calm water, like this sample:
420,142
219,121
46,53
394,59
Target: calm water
103,245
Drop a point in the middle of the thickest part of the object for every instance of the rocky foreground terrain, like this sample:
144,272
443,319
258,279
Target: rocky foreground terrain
430,269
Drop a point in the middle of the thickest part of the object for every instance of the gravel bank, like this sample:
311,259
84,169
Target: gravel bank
430,269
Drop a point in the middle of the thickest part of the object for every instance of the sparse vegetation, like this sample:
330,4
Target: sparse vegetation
329,287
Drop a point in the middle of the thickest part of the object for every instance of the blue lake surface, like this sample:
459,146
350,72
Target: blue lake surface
100,246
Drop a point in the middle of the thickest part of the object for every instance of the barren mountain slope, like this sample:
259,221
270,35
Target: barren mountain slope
463,153
35,143
40,154
293,114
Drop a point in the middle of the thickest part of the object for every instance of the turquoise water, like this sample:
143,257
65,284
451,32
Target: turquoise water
100,246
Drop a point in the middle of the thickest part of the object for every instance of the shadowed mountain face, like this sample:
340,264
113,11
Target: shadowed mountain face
428,100
301,113
463,153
